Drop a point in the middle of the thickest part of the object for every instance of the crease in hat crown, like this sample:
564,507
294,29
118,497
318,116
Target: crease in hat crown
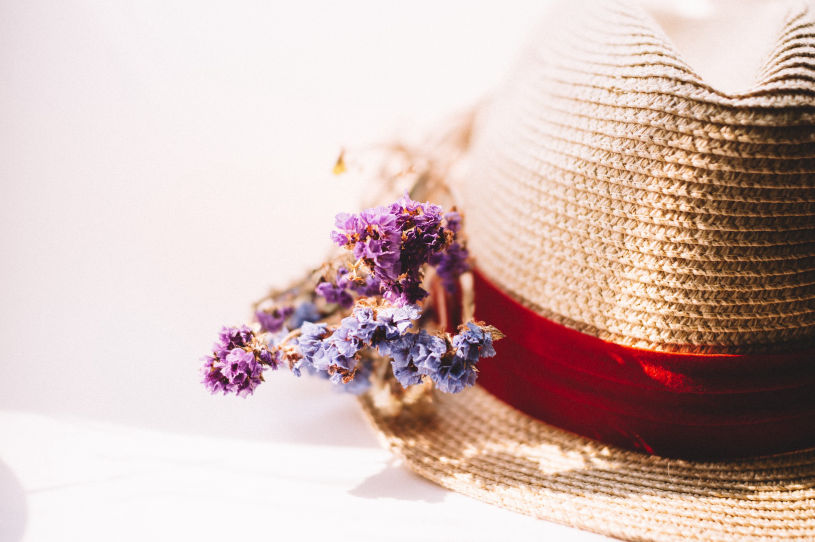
613,191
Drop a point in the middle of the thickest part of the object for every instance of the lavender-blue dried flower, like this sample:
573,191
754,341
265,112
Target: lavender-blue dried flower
328,352
362,324
450,373
346,339
311,338
411,352
304,312
456,369
330,360
361,381
473,343
395,321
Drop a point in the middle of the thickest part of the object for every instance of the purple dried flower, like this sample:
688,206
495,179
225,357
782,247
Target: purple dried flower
395,242
232,337
422,231
243,371
406,292
213,379
348,225
368,288
423,235
343,279
473,343
453,220
374,237
420,214
392,244
339,292
272,320
270,358
334,293
450,264
237,362
379,244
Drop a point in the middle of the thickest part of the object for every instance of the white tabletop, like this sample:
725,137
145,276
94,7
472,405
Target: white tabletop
163,163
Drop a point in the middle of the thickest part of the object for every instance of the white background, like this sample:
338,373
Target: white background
162,164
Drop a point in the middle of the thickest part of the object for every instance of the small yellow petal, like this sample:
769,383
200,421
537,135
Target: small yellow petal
339,166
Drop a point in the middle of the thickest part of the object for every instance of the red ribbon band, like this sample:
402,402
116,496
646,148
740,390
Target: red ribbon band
672,404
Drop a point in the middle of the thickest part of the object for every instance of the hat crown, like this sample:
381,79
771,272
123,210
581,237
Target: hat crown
614,191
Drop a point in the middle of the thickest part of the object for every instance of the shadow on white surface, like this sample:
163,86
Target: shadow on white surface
89,481
13,506
396,482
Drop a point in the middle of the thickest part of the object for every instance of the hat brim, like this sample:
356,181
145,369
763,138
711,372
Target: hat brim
477,445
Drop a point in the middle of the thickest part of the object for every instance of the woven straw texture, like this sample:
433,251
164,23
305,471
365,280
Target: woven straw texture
477,445
613,191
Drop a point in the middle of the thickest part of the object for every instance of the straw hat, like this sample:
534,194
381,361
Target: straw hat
649,242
